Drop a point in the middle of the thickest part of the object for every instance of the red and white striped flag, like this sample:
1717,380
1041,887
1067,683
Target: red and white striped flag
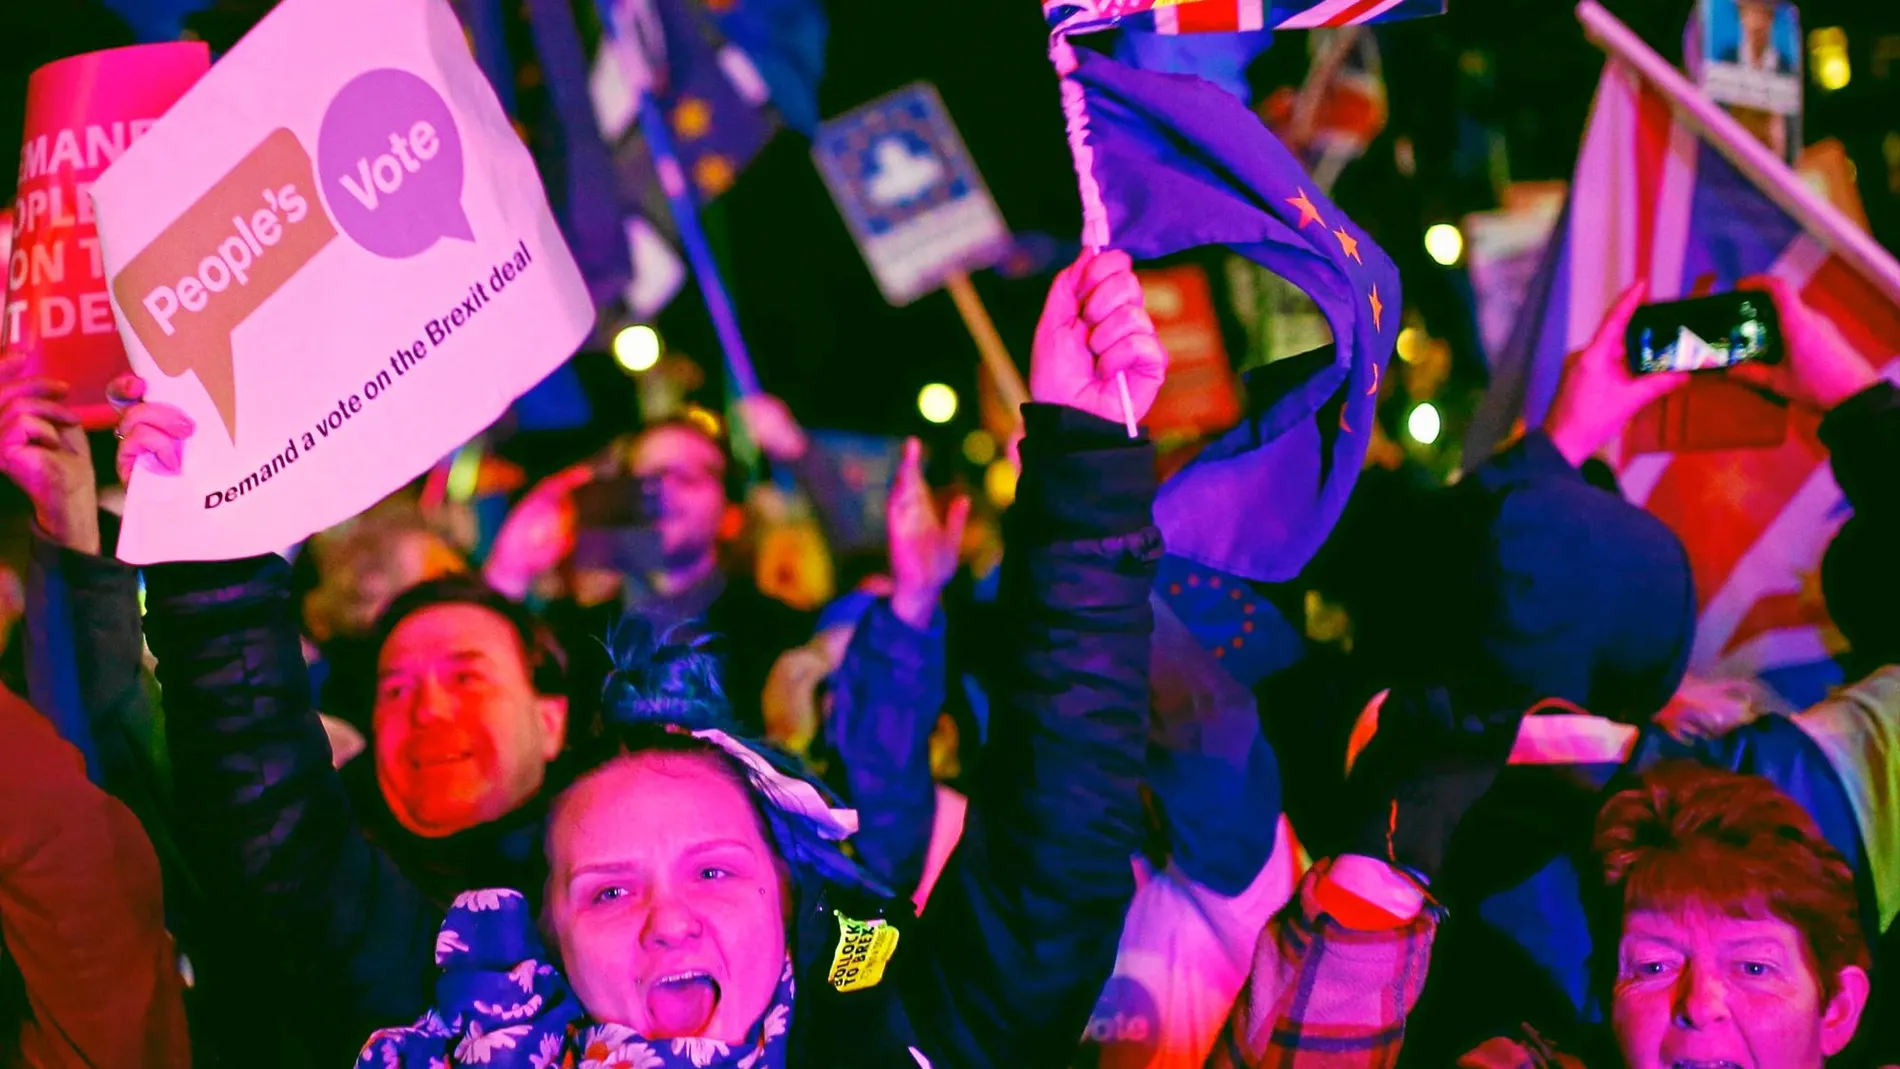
1651,199
1229,16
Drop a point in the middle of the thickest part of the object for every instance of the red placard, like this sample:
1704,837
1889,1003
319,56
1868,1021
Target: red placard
1200,396
82,112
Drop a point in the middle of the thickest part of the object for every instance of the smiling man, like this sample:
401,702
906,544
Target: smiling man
469,708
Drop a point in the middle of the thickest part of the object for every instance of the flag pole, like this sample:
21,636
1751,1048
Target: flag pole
1749,156
680,200
681,204
1094,211
989,344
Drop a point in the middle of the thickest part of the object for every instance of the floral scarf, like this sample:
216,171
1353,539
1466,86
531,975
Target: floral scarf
500,1004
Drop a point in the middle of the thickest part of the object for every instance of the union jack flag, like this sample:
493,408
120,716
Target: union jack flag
1652,199
1228,16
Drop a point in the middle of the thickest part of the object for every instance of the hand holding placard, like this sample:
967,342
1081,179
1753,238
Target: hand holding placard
338,368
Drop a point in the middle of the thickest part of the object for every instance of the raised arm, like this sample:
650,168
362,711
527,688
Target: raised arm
1022,926
892,684
263,816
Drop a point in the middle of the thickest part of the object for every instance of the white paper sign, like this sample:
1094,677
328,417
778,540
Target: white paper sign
335,255
910,192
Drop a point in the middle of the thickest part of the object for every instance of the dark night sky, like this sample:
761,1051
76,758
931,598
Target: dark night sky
825,340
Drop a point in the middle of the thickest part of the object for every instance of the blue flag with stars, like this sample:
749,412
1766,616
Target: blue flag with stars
1171,163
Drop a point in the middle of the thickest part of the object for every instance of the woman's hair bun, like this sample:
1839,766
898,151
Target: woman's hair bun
665,676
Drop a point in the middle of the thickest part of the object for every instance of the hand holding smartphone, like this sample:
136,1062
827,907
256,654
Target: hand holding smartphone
1704,334
1712,412
614,526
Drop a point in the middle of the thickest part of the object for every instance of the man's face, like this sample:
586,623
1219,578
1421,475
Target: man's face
1703,990
689,472
668,904
461,736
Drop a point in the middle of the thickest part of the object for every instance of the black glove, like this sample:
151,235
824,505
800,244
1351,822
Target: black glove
1429,763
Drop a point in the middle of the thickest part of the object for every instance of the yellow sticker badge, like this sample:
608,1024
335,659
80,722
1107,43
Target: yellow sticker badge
864,948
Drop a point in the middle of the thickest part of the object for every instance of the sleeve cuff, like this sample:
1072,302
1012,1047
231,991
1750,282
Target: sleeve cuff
1083,477
222,583
80,569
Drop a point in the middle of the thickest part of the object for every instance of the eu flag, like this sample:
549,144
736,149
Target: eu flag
1172,163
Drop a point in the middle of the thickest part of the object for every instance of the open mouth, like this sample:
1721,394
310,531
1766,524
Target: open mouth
681,1004
1704,1063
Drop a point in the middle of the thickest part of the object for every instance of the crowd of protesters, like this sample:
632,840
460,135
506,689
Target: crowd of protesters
603,801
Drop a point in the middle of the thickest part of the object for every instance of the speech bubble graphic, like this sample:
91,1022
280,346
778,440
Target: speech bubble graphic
391,161
185,293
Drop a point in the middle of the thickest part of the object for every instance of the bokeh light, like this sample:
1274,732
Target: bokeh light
999,483
979,448
937,403
637,348
1445,243
1425,424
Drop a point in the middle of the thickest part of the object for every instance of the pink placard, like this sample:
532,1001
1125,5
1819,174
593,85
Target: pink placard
82,113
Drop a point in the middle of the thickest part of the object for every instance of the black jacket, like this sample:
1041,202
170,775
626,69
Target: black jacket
1022,928
1860,575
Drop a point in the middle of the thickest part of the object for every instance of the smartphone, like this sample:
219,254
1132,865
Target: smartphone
1704,334
614,526
623,501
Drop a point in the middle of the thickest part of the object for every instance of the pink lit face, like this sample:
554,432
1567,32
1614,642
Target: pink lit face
462,738
667,901
1700,989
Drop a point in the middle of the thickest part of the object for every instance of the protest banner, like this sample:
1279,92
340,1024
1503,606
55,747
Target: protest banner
335,255
1503,250
1746,55
909,192
917,207
82,113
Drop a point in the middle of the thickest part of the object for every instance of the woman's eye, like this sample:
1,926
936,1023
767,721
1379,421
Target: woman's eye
713,873
609,894
1650,968
1756,968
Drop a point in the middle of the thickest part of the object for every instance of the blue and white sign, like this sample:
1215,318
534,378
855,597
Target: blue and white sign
909,192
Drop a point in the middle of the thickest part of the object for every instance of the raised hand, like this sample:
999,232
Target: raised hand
1819,369
924,549
43,450
1095,327
147,429
538,534
769,422
1599,396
